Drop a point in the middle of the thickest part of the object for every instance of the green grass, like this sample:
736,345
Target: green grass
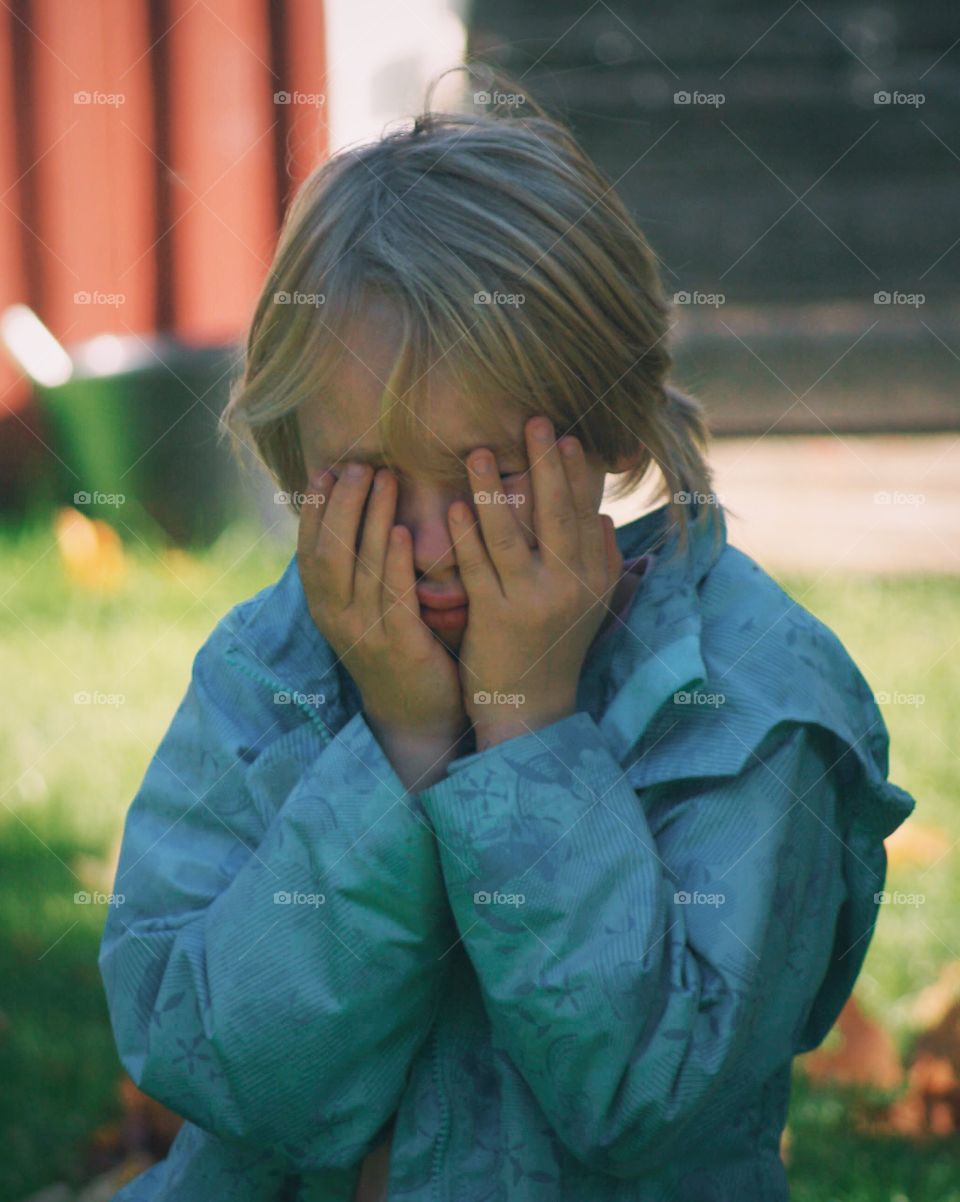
70,771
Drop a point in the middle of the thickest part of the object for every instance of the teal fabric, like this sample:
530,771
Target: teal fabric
577,967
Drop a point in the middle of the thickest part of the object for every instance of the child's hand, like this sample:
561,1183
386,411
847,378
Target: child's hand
365,604
533,613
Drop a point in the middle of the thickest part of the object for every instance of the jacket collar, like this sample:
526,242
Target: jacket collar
651,653
655,650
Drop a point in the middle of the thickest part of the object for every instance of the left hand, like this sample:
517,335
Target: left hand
533,612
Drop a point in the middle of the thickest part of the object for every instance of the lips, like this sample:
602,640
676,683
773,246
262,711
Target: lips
441,600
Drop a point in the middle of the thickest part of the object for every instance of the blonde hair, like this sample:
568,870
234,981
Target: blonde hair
433,217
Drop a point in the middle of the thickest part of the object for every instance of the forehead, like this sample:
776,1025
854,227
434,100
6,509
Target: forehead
344,423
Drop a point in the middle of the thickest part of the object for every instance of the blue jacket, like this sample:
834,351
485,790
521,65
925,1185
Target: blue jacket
577,967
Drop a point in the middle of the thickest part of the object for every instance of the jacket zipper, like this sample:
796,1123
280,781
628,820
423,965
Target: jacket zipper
277,686
441,1144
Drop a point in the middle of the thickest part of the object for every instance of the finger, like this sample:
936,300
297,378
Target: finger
502,536
554,519
594,547
368,576
400,601
309,524
338,534
473,563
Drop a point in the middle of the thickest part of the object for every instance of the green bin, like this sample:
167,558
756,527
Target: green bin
135,427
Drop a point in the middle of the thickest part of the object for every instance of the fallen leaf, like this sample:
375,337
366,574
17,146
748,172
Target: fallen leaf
865,1053
912,844
90,550
934,1001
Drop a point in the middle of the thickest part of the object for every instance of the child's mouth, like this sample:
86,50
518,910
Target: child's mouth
444,619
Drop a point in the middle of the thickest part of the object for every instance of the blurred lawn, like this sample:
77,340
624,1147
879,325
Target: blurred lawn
70,771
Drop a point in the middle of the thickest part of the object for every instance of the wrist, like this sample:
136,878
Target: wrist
418,733
499,728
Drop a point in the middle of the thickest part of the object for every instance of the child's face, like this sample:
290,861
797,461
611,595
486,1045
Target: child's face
332,439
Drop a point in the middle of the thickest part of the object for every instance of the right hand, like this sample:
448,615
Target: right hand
365,605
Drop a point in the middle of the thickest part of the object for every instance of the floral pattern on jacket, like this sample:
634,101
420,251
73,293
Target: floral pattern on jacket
576,967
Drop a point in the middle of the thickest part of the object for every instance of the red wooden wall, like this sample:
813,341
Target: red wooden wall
154,205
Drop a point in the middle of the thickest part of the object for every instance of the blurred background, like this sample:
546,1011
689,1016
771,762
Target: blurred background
796,168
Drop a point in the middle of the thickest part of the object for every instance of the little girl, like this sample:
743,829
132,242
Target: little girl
492,853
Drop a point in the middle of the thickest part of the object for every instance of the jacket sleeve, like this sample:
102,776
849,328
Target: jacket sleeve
647,958
274,964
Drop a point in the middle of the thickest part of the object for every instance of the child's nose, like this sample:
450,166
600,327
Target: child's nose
423,510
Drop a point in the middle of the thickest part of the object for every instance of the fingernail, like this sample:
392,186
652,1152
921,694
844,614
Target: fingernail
354,471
